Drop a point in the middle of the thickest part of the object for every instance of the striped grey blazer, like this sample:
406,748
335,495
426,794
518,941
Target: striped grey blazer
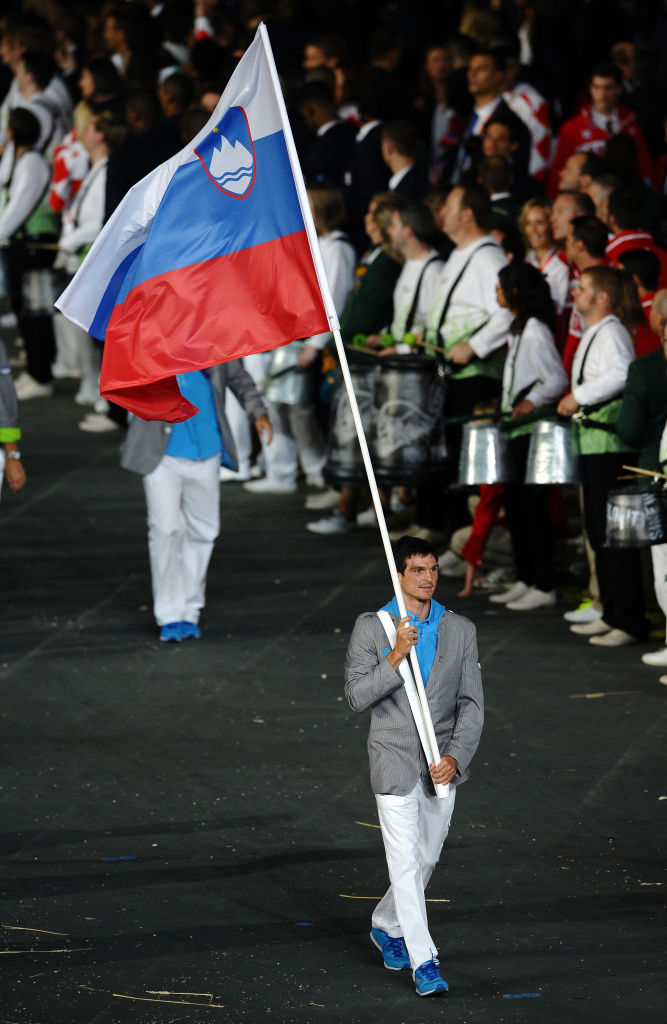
453,690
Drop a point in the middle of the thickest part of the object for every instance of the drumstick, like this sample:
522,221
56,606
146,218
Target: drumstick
644,472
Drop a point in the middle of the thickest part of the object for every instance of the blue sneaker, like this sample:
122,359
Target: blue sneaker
171,633
190,631
428,980
394,953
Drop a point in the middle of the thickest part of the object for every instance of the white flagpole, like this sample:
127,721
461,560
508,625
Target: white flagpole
427,722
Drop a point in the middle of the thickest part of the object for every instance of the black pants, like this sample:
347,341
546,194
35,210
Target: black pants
40,345
619,571
527,511
435,507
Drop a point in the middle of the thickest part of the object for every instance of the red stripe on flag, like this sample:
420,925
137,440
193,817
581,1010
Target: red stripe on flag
249,301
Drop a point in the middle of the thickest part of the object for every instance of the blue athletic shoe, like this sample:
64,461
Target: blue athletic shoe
394,953
190,631
428,980
171,633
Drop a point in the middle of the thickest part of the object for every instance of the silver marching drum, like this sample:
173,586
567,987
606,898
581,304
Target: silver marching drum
551,459
636,516
284,383
344,464
485,456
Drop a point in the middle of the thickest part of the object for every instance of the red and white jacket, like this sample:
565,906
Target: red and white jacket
581,134
624,241
528,104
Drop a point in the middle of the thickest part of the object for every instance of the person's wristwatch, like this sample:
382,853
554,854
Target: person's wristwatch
14,455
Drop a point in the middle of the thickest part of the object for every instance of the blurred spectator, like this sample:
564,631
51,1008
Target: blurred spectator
329,151
399,152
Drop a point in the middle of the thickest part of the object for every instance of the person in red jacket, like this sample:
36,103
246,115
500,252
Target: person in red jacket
589,130
624,218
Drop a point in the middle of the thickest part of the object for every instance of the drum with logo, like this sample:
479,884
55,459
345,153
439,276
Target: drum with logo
407,442
344,464
636,516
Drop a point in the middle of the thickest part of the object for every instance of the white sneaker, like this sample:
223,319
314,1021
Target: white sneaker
658,658
324,500
368,520
85,396
451,564
613,638
595,628
513,594
335,523
27,387
497,579
585,612
98,423
663,680
231,476
533,599
268,486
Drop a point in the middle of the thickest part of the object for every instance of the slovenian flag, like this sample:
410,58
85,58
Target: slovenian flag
212,256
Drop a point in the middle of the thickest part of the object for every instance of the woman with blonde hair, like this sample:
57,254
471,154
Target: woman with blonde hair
542,251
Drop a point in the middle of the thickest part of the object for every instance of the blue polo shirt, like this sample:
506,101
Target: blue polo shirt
428,633
199,437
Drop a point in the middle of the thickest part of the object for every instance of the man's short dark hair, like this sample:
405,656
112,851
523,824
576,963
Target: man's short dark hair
406,547
625,206
402,136
606,70
644,264
594,166
24,127
40,65
583,204
496,173
592,233
418,216
498,55
318,93
476,198
507,122
330,43
179,87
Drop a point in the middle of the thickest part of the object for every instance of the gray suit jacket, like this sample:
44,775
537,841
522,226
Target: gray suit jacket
453,691
147,439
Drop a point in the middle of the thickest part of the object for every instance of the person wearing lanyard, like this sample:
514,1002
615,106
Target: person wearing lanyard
414,820
605,298
533,377
179,463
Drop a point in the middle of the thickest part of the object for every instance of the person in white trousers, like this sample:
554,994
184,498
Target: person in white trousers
414,820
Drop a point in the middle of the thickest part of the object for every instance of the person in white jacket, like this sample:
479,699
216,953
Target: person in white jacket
291,397
607,299
533,377
82,222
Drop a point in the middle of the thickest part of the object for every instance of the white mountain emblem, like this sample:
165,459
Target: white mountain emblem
231,166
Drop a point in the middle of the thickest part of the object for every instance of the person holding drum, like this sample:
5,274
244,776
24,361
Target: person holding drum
641,424
533,377
607,300
292,395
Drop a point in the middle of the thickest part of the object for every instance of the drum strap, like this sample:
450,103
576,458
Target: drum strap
580,378
415,300
457,281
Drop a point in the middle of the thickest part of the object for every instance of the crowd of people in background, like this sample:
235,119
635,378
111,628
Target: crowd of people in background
488,185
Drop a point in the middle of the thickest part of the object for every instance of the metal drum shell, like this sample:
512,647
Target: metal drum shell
344,464
551,457
406,444
38,292
291,388
636,516
485,456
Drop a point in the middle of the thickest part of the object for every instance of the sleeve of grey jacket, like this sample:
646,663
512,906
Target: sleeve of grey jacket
367,679
9,407
245,389
469,706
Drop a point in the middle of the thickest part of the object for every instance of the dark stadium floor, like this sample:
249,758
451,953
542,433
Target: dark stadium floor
188,832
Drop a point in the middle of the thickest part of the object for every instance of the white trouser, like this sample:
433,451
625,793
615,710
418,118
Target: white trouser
183,506
659,559
240,428
414,827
